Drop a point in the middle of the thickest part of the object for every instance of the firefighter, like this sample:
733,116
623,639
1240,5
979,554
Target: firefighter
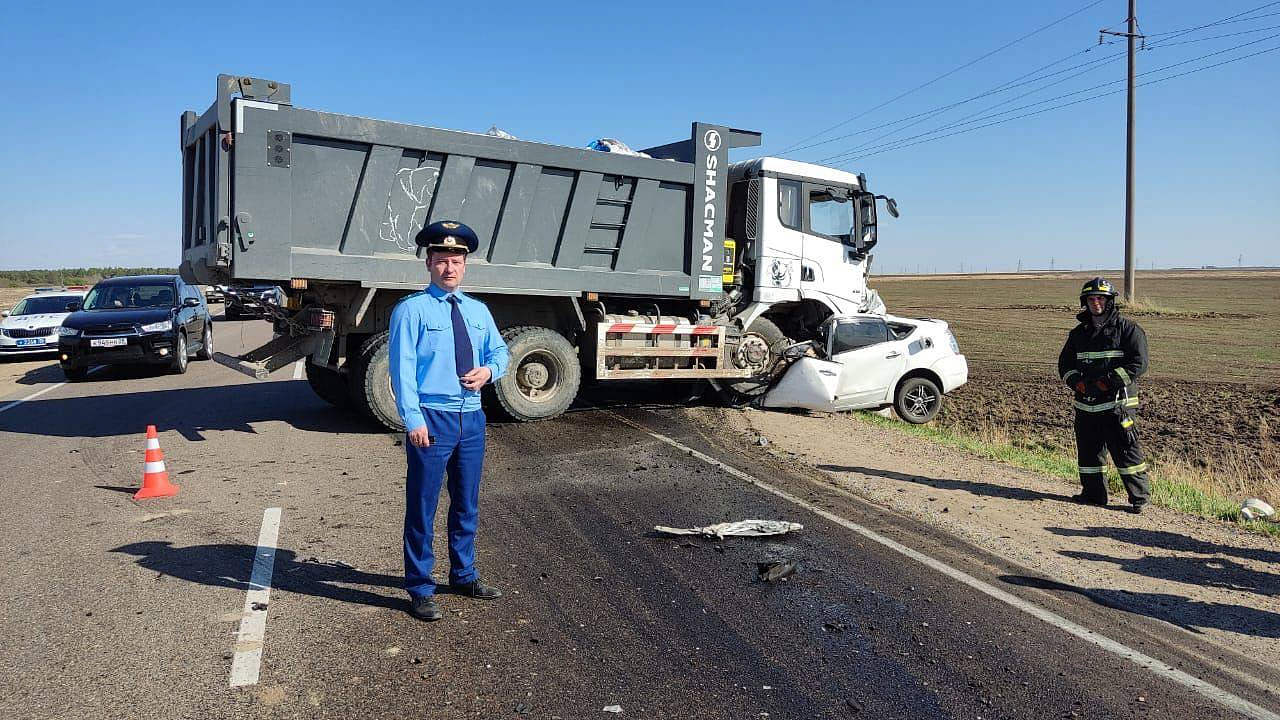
1101,361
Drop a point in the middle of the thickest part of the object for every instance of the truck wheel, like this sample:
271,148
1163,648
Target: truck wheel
329,385
369,376
542,379
762,344
918,400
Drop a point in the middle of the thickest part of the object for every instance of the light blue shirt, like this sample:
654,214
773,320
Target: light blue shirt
420,350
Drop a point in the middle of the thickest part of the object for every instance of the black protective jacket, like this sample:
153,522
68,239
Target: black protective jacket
1108,358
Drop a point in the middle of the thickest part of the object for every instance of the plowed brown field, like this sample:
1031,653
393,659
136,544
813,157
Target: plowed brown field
1211,399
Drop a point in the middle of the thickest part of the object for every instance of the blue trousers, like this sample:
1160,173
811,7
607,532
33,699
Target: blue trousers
457,449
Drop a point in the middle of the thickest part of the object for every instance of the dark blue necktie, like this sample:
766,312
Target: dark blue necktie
461,340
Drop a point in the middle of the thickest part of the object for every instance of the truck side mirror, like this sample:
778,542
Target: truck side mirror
890,204
191,302
72,306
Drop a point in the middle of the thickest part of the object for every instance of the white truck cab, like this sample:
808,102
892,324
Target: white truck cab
807,231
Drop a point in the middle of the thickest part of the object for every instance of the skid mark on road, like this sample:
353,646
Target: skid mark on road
1164,670
247,660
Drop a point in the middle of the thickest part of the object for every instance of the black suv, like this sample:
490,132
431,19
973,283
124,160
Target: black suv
251,299
157,319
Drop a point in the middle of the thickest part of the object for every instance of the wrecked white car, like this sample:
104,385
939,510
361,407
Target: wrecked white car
871,362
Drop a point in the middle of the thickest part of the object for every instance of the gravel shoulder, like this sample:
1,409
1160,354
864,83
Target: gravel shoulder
1215,581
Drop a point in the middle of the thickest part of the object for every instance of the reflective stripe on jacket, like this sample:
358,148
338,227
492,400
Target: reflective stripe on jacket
1115,351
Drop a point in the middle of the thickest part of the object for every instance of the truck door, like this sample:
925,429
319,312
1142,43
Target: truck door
831,264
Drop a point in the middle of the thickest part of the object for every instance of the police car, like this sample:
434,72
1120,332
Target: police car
32,325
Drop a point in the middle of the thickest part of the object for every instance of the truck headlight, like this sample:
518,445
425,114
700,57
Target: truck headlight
157,327
68,332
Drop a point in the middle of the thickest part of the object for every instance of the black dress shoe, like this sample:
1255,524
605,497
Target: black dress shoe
1136,509
1083,499
425,608
477,589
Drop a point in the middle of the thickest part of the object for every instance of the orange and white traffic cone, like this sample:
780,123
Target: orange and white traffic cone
155,478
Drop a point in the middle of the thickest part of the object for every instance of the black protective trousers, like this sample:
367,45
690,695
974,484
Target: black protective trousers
1096,434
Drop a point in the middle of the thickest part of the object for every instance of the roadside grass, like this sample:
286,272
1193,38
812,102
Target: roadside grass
1177,486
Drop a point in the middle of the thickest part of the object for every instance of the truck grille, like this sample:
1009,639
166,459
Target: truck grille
24,333
753,215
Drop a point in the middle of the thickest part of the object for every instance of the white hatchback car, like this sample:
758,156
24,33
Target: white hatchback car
875,361
32,325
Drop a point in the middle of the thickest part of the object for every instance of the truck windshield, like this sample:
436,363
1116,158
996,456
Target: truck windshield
829,217
111,297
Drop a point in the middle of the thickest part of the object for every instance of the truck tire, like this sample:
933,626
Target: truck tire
329,385
763,334
543,378
917,400
369,377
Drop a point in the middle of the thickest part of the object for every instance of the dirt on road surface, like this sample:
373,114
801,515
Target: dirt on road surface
1215,581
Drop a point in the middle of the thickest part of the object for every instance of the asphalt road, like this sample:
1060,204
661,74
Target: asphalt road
123,609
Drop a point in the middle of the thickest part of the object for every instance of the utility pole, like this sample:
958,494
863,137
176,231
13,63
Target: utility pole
1132,35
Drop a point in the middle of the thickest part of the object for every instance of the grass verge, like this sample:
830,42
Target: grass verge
1175,487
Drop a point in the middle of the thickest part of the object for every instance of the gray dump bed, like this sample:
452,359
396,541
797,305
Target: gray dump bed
274,192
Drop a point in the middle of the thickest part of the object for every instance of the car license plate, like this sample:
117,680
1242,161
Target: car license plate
108,342
32,341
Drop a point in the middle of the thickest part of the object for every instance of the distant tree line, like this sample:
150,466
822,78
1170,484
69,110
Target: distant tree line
72,276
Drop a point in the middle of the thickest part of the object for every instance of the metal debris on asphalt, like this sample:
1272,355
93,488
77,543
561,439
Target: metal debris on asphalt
774,571
612,708
744,528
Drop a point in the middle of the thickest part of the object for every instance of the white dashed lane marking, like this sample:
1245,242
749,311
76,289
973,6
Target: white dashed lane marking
247,661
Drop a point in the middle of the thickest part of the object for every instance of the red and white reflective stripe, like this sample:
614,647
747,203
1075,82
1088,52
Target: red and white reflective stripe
153,443
668,329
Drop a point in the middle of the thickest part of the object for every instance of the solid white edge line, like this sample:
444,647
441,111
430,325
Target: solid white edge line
38,393
298,369
1211,692
247,660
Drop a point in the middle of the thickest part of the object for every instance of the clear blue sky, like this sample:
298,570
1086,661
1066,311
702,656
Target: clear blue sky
89,165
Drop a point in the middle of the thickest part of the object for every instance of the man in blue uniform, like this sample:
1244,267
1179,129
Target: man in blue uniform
444,346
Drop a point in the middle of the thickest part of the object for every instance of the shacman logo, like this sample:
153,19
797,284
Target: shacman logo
711,139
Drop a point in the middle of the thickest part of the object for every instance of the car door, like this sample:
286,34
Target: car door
871,360
190,316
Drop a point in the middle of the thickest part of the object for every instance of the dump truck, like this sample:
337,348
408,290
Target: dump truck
597,266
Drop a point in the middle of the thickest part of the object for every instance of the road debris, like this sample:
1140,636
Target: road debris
743,528
1255,509
331,563
774,571
617,709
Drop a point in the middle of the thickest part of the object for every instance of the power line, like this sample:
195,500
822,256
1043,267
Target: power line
866,146
890,146
1223,21
1014,83
945,75
1022,81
